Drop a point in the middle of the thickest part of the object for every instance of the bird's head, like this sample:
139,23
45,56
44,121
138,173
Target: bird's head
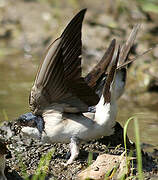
31,120
27,119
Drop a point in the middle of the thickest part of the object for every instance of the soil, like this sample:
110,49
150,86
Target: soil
26,154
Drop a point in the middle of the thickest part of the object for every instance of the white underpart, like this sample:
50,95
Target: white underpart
31,131
105,116
2,167
76,127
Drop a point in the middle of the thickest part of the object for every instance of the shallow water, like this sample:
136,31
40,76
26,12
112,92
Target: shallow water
16,78
147,119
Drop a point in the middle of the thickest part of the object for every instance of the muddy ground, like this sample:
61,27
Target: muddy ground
26,154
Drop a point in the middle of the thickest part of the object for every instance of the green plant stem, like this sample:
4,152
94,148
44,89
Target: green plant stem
138,150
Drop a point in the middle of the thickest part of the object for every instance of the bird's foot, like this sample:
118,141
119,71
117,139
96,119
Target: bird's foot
74,148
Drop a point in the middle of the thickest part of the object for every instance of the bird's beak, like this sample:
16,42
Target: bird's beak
19,122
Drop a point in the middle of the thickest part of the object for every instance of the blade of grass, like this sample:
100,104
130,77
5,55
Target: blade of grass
5,115
23,168
47,161
138,149
125,142
111,172
90,157
125,132
43,166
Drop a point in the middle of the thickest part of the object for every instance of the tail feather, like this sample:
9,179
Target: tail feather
126,48
121,74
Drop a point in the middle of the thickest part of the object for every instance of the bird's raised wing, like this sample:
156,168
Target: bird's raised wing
58,79
100,69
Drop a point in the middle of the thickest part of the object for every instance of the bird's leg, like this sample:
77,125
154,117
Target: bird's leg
74,148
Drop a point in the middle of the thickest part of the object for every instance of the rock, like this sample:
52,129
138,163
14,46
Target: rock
105,164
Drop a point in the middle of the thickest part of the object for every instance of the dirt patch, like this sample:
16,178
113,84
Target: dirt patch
26,154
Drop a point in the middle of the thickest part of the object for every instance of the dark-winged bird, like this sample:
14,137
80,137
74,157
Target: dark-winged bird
61,98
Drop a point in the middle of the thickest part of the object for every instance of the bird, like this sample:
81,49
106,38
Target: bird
61,97
3,152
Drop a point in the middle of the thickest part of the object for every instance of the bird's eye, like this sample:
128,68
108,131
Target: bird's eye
22,120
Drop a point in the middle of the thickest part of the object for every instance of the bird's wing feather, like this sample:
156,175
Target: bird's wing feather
110,78
58,79
93,76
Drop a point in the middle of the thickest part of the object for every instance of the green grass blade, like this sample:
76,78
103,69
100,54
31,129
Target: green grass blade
90,158
138,150
43,166
125,132
23,168
5,115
